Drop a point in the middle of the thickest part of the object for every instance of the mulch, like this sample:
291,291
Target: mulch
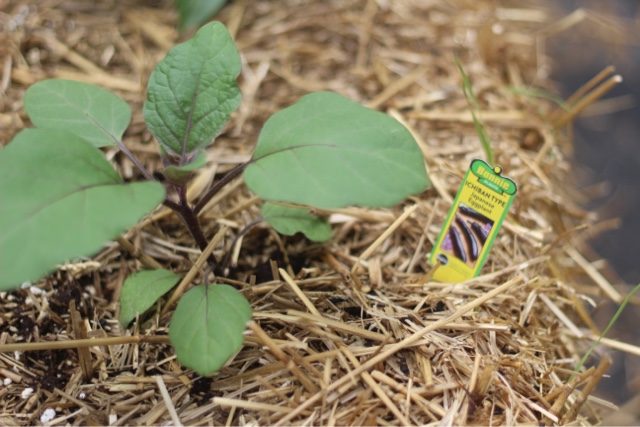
352,332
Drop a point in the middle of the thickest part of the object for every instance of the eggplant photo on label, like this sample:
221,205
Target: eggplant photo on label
472,213
458,248
480,232
468,236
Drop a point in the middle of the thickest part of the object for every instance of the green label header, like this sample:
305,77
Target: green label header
491,178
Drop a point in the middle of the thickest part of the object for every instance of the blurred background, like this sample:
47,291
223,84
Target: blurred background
607,159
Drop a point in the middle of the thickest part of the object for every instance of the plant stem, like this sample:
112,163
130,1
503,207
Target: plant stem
215,188
187,213
190,218
235,172
171,205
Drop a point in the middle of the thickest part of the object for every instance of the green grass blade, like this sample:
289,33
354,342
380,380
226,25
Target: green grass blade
611,323
473,107
539,93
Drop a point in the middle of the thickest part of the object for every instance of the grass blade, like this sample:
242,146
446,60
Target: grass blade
611,323
473,107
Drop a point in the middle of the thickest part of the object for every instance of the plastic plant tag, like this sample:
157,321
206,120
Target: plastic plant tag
473,222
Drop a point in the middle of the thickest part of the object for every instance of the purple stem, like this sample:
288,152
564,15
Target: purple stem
215,188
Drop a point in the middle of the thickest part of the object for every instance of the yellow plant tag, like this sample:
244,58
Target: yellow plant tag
473,222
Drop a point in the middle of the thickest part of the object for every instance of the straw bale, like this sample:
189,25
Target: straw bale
353,332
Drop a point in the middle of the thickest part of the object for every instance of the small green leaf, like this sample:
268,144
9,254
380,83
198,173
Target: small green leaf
180,175
60,200
95,114
329,152
141,290
193,91
197,12
207,327
288,220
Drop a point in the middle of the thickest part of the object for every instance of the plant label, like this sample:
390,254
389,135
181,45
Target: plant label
473,222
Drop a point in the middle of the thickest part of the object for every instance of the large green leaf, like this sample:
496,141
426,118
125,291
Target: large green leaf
288,220
89,111
196,12
207,327
329,152
61,200
141,290
193,91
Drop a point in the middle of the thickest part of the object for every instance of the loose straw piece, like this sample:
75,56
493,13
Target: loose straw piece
89,342
617,345
151,29
586,101
294,287
396,87
512,117
200,262
92,73
584,394
224,401
584,89
339,326
600,280
561,316
167,401
384,236
80,332
137,253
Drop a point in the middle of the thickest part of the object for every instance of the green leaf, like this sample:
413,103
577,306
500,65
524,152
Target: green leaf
289,220
207,327
60,200
196,12
329,152
180,175
193,91
88,111
141,290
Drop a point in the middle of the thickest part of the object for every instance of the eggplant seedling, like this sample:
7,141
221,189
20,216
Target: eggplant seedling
61,199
